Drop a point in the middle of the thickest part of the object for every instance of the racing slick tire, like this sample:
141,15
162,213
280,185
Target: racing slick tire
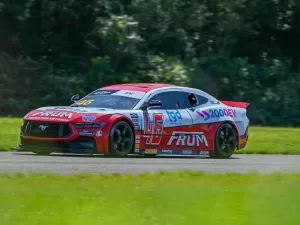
225,142
121,139
45,153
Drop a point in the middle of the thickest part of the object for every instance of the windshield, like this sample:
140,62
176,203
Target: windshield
111,99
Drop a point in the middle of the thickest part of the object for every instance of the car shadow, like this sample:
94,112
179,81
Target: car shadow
121,157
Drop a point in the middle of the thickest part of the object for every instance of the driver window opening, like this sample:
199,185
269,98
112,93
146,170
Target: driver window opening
192,100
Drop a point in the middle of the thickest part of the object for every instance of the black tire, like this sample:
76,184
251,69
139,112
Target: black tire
40,152
225,142
121,139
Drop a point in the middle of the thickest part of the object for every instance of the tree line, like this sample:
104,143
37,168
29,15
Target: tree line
235,50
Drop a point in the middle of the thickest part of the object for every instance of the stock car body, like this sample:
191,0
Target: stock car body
145,119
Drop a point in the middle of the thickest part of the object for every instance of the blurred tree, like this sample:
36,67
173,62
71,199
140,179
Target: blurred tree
235,50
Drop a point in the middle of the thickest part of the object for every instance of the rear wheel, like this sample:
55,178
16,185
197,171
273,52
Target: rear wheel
225,142
121,139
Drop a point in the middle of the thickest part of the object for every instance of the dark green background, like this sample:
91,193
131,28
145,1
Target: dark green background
235,50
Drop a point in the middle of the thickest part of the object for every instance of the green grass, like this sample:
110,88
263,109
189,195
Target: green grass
262,140
9,133
272,140
173,199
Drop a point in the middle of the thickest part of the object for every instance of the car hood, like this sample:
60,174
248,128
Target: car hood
69,114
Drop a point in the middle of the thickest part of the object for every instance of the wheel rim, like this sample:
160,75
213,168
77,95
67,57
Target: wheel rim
226,140
122,138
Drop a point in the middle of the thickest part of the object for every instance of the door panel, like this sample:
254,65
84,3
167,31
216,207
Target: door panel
160,123
159,126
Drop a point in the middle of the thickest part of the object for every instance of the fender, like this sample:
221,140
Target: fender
103,142
234,126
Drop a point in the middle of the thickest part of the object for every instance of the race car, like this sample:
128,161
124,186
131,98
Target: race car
142,118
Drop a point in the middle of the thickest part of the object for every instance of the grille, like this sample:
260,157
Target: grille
44,144
46,129
80,145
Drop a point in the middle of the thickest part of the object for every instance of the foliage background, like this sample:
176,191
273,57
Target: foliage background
235,50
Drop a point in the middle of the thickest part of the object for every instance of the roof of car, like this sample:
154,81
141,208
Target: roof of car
144,87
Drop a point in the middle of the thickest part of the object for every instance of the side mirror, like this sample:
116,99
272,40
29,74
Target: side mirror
75,98
152,103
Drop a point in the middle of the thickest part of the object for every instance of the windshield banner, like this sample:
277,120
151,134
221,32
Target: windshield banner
125,93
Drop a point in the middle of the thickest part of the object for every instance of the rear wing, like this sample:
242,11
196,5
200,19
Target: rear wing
243,105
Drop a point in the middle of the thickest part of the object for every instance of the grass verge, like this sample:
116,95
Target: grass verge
9,133
272,140
175,198
262,140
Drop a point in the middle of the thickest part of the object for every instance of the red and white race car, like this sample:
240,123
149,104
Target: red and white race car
139,119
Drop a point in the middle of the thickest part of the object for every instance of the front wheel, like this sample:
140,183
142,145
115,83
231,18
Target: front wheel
225,142
121,139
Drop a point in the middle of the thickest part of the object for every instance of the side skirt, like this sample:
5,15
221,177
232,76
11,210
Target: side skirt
169,152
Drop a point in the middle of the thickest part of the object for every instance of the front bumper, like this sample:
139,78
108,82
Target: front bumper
81,145
61,137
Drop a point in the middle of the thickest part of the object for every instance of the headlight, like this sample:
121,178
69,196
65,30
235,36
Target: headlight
89,125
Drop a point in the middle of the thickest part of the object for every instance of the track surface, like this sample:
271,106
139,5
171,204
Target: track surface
11,162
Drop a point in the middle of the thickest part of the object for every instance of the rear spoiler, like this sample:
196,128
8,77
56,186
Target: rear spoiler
243,105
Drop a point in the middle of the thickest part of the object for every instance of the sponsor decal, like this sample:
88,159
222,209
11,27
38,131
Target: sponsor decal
77,110
216,113
99,133
136,150
137,145
88,118
134,115
131,94
166,151
128,93
203,153
188,139
61,108
243,141
135,120
174,115
151,151
183,152
53,114
100,92
187,152
214,102
43,128
85,133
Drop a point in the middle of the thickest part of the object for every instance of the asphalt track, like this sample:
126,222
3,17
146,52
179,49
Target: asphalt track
15,162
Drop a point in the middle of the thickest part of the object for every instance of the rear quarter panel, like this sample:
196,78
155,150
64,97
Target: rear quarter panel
211,116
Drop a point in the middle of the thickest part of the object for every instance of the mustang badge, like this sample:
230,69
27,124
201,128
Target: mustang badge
43,128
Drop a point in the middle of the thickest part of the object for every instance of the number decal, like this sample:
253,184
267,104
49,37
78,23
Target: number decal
84,102
153,129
